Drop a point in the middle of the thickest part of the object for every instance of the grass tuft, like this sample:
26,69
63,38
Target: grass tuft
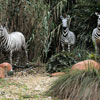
77,85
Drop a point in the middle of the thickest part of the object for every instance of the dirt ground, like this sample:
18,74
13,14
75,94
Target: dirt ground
26,86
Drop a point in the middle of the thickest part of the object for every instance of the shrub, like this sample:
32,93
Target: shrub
63,60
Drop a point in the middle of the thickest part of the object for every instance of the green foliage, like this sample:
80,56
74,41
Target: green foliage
77,85
84,21
63,60
59,61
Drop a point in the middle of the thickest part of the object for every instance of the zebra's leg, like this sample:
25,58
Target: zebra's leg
17,59
11,57
96,51
26,55
95,46
68,47
63,49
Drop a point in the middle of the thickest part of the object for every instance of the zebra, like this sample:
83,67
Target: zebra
96,35
12,42
67,37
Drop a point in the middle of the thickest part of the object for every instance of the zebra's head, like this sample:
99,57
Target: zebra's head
98,23
65,24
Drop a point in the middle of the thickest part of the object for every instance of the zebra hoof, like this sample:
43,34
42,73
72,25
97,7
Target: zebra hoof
27,63
10,73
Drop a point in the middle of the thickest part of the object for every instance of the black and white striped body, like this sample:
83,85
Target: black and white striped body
96,39
67,37
12,42
96,35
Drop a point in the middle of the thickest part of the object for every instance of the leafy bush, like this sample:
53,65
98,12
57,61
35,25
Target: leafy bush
63,60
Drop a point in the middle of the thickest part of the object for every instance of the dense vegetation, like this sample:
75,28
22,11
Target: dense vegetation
39,21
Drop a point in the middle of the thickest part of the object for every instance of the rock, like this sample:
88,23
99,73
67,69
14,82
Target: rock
84,65
6,66
57,74
2,73
4,69
38,88
49,98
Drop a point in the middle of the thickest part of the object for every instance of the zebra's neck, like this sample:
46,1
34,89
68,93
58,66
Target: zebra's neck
4,39
98,30
65,32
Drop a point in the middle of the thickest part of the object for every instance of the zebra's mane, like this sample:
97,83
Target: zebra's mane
5,30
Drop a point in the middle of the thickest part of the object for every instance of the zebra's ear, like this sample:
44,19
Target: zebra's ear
96,13
4,25
61,17
68,16
69,20
1,26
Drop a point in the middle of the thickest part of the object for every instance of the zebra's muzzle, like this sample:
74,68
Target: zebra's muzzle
10,73
64,28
